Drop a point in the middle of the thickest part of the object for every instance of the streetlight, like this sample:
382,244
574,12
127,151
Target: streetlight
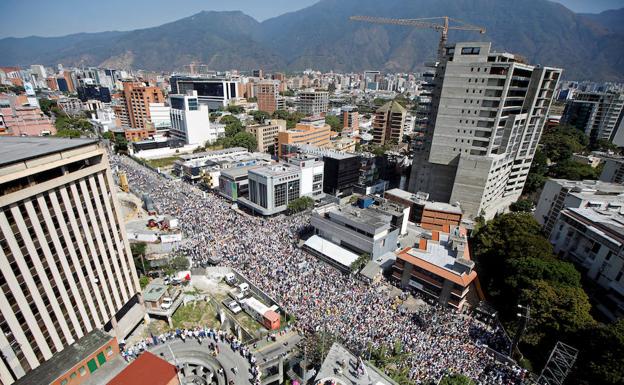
523,320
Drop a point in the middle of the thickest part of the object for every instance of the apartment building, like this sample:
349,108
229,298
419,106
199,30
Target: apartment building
487,115
592,238
350,119
268,96
389,123
313,103
137,97
65,259
613,170
598,114
267,134
313,131
214,92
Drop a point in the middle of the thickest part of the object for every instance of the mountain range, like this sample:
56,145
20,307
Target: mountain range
322,37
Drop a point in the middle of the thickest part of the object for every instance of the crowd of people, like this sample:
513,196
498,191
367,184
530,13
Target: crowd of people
319,296
208,337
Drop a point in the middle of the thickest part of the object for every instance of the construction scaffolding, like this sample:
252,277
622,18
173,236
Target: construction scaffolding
559,364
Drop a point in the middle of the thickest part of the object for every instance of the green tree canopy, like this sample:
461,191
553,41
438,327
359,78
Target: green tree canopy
601,355
556,310
334,122
68,133
569,169
561,142
260,116
300,204
522,205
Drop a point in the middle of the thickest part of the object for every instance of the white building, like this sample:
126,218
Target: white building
488,113
272,188
105,119
559,194
160,115
190,121
594,240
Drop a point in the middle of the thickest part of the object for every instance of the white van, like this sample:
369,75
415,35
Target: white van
230,279
244,287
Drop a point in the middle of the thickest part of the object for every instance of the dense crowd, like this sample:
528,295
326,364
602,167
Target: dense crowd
208,337
320,297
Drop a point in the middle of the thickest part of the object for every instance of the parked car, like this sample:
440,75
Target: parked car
230,279
166,303
234,307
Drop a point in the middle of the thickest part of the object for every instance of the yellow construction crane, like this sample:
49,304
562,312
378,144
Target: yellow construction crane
442,26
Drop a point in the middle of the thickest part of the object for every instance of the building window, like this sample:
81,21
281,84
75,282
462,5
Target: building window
64,381
109,351
279,195
82,371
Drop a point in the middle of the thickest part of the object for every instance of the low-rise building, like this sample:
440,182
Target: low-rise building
438,265
359,230
429,215
559,194
25,121
338,368
234,183
147,369
266,134
313,131
593,239
272,188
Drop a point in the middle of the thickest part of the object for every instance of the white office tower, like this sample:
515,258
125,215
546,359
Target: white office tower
190,121
65,263
488,112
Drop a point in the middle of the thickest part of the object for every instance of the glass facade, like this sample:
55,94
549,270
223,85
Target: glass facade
280,195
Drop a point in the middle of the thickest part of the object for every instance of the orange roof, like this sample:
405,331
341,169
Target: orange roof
462,280
272,316
148,369
422,245
435,236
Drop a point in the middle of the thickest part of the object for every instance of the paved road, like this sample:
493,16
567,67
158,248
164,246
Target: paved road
284,344
192,352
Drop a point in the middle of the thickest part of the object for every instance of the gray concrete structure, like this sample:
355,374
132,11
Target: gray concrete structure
359,230
312,103
559,194
333,369
488,112
613,170
65,259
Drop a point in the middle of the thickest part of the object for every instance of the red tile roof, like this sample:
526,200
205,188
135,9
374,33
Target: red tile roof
148,369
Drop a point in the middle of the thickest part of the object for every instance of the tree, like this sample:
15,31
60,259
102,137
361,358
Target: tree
561,142
537,174
522,205
603,145
179,263
601,357
281,114
456,379
233,126
235,110
300,204
569,169
334,122
288,93
260,116
556,310
46,106
108,135
68,133
121,145
143,282
138,250
360,263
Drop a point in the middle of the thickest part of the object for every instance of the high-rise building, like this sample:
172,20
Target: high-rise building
314,132
350,119
313,103
598,114
93,92
266,134
190,121
65,260
268,95
389,123
69,81
216,93
138,97
488,113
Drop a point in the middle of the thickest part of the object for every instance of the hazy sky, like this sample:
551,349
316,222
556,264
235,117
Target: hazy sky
62,17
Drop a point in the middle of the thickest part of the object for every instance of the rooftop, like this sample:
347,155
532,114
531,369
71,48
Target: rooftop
591,187
332,251
154,291
238,171
147,369
283,169
66,359
14,149
331,369
608,224
369,216
430,205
